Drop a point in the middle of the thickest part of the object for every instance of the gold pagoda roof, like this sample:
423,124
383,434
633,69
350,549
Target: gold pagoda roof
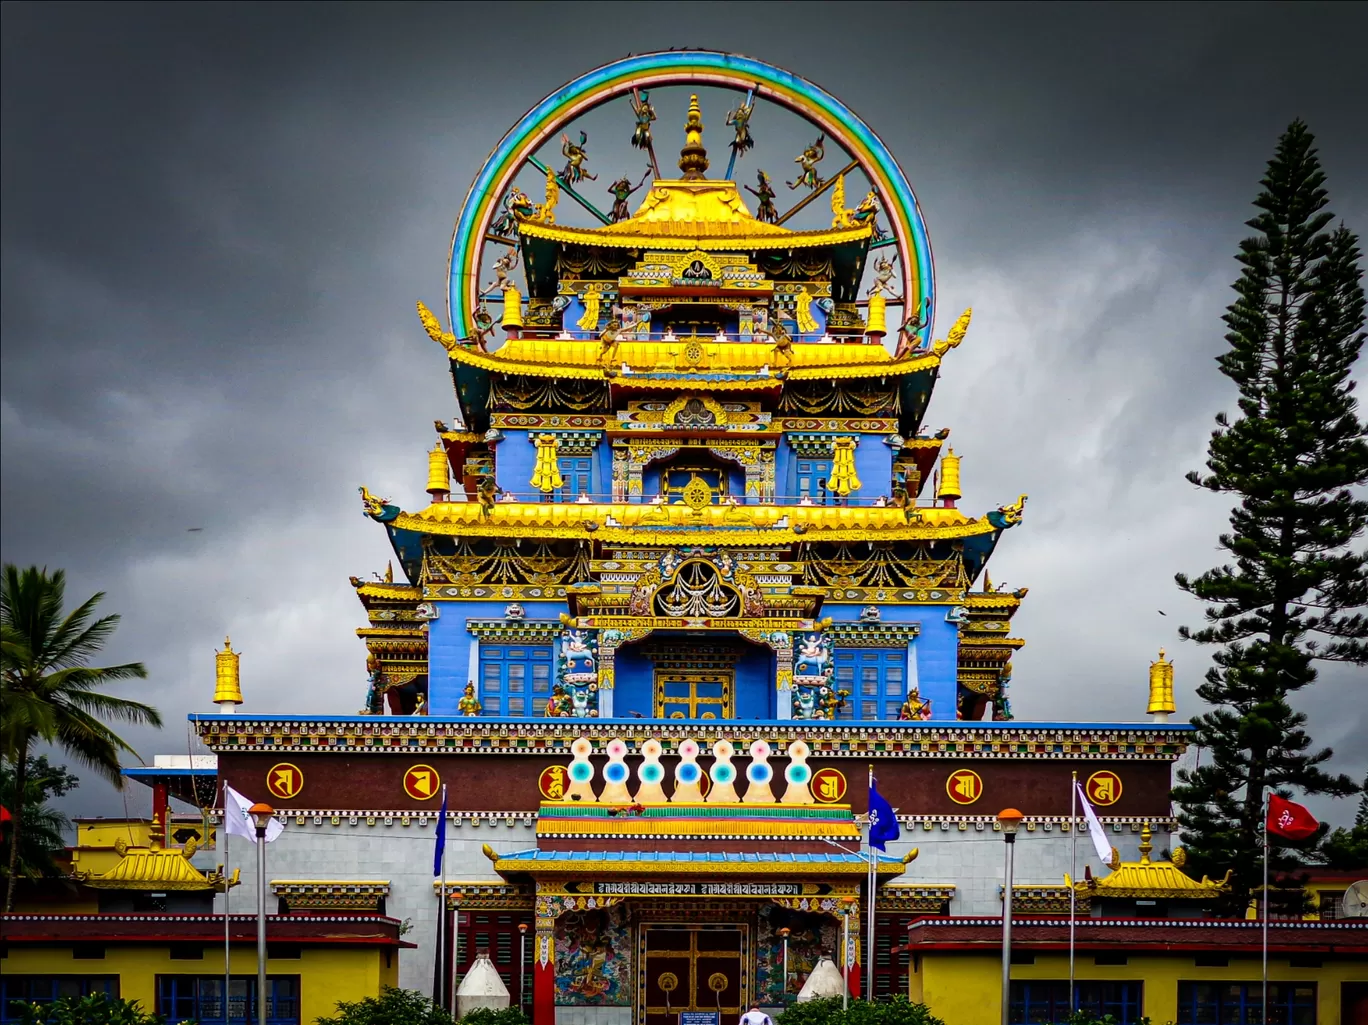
698,213
646,523
1146,879
157,868
742,361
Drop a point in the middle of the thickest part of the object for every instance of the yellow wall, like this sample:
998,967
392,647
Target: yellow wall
965,988
326,974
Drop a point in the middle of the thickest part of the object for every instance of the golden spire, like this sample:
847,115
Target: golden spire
693,158
949,490
439,475
227,686
1161,703
1145,846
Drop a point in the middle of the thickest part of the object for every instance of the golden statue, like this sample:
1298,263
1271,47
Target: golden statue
374,505
807,161
469,703
433,327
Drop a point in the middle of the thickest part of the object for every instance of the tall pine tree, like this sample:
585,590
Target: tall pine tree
1296,586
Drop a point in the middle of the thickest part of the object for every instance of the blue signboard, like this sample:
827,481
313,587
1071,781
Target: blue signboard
700,1018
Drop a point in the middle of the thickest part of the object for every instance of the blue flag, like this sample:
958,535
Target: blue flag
883,824
441,837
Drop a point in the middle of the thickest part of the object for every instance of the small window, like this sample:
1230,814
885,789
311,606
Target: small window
1110,959
1023,957
87,952
186,952
1211,961
283,952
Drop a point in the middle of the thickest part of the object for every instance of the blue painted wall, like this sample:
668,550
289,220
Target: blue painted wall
755,684
449,644
633,684
937,650
874,467
514,458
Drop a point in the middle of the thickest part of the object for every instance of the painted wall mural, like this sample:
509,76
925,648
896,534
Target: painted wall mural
593,957
810,937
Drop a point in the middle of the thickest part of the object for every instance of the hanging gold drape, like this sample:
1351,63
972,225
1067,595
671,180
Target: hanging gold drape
546,472
843,480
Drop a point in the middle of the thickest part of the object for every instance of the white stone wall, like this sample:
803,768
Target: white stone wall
971,859
398,853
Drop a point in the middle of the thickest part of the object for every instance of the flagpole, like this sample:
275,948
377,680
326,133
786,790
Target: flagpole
439,974
1265,904
227,889
1073,880
869,939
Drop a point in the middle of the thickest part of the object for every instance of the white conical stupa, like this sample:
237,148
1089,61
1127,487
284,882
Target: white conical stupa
825,981
481,987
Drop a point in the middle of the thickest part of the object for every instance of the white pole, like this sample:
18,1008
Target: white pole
1073,881
873,882
1007,931
455,950
1265,904
261,924
227,875
439,974
845,960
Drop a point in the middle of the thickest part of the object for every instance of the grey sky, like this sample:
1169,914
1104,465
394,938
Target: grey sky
217,219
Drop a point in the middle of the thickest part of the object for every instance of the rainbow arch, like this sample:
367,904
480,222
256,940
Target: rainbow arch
685,67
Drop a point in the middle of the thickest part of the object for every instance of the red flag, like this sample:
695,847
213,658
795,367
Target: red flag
1290,820
5,815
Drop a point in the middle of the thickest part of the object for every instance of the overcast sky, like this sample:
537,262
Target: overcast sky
217,219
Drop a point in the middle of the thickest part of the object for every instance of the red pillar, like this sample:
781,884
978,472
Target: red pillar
161,827
855,981
544,974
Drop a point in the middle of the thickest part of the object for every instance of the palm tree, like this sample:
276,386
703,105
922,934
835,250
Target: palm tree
43,828
48,692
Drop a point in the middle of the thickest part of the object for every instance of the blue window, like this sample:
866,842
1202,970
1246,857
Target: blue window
200,998
44,989
515,679
813,475
1241,1003
876,679
577,472
1047,1001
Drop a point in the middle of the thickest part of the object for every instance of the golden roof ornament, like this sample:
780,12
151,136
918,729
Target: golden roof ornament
949,490
693,158
439,473
1161,703
227,685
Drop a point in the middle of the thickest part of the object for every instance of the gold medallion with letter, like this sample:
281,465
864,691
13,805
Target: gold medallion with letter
422,782
1103,788
284,780
964,786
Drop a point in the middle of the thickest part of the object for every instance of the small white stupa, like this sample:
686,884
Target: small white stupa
825,981
481,987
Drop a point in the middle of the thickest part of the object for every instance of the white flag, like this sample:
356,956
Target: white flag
237,821
1095,830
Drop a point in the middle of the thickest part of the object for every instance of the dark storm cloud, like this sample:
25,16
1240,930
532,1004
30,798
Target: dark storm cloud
216,220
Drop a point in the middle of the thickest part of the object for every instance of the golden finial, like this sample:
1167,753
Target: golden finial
1161,703
693,158
439,472
876,321
227,684
1145,846
512,309
949,490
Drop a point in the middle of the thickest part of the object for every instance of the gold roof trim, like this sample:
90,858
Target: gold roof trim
392,592
633,522
707,214
551,357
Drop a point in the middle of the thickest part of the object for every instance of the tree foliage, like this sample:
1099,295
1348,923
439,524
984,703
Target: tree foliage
391,1007
44,828
95,1009
48,690
1294,588
491,1016
828,1011
1347,849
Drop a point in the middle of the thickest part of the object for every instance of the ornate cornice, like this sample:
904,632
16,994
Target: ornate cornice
331,895
483,736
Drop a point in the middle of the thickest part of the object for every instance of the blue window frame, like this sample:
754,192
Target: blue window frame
1044,1002
515,679
199,998
44,989
876,679
578,474
813,475
1240,1003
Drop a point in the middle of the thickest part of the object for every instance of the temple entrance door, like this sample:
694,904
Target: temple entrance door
705,693
693,968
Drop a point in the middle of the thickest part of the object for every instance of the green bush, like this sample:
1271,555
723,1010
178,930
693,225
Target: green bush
391,1007
96,1009
489,1016
898,1011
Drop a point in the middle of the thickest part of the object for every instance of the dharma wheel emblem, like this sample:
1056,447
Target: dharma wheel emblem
964,786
